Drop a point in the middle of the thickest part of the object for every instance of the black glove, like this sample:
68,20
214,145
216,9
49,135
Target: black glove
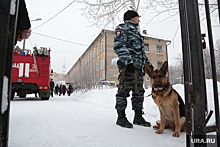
129,68
152,66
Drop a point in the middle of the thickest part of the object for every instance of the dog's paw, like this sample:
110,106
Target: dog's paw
159,131
156,127
176,134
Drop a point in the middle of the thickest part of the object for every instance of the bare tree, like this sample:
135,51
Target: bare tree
207,63
105,12
179,68
171,7
172,74
176,74
217,57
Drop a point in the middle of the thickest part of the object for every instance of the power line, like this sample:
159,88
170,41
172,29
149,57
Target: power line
60,39
54,15
66,52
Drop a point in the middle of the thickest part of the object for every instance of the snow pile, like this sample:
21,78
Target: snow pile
87,120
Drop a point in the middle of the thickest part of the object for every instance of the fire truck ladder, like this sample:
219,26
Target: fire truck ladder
45,70
194,77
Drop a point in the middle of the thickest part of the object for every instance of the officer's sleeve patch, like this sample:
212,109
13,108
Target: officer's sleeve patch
118,33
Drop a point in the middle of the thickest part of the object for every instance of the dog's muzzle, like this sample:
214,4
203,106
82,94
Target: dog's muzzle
158,85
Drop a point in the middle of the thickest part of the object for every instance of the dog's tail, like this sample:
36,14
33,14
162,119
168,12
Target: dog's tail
181,105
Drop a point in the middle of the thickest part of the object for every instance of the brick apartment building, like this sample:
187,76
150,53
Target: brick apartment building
98,62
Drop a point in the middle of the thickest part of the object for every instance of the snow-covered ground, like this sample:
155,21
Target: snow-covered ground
87,120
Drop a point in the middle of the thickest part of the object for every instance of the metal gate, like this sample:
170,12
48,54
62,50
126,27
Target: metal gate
194,77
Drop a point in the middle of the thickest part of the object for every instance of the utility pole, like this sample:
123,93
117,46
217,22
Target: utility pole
133,5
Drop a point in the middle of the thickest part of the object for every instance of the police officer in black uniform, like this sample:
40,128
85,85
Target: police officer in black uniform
129,46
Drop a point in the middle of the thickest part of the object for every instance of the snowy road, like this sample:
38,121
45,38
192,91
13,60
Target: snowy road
82,120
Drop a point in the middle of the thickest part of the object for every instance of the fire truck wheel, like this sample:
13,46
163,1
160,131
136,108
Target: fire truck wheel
45,98
22,96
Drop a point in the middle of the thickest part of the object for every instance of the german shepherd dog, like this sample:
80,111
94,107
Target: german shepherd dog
169,102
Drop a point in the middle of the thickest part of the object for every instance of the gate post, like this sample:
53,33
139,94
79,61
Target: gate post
8,25
187,70
194,77
4,99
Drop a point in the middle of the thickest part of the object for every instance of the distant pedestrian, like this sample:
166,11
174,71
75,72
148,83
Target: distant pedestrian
60,90
56,89
64,89
69,90
51,87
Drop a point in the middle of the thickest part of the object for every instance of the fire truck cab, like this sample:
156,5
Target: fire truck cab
31,73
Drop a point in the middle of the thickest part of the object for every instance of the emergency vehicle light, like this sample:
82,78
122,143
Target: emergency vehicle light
43,87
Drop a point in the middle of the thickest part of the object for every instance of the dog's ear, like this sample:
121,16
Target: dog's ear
165,67
148,69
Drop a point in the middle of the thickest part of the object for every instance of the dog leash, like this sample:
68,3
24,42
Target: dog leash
148,95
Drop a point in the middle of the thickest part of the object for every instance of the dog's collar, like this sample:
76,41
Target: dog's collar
164,87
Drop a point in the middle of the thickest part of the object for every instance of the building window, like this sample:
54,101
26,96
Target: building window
98,49
90,55
159,49
94,53
102,63
85,60
97,65
146,48
93,68
159,64
102,46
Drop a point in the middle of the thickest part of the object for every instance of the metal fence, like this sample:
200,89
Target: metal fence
194,77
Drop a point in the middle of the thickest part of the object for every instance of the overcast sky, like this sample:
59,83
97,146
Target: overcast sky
71,26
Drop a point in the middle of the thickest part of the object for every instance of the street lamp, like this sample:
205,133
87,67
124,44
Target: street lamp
37,19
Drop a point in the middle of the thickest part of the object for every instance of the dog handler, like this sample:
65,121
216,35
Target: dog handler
129,46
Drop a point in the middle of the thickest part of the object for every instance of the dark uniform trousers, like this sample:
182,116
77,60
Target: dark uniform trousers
125,87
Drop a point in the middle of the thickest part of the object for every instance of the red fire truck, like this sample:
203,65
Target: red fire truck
31,73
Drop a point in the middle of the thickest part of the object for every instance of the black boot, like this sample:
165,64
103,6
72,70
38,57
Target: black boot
122,120
139,120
